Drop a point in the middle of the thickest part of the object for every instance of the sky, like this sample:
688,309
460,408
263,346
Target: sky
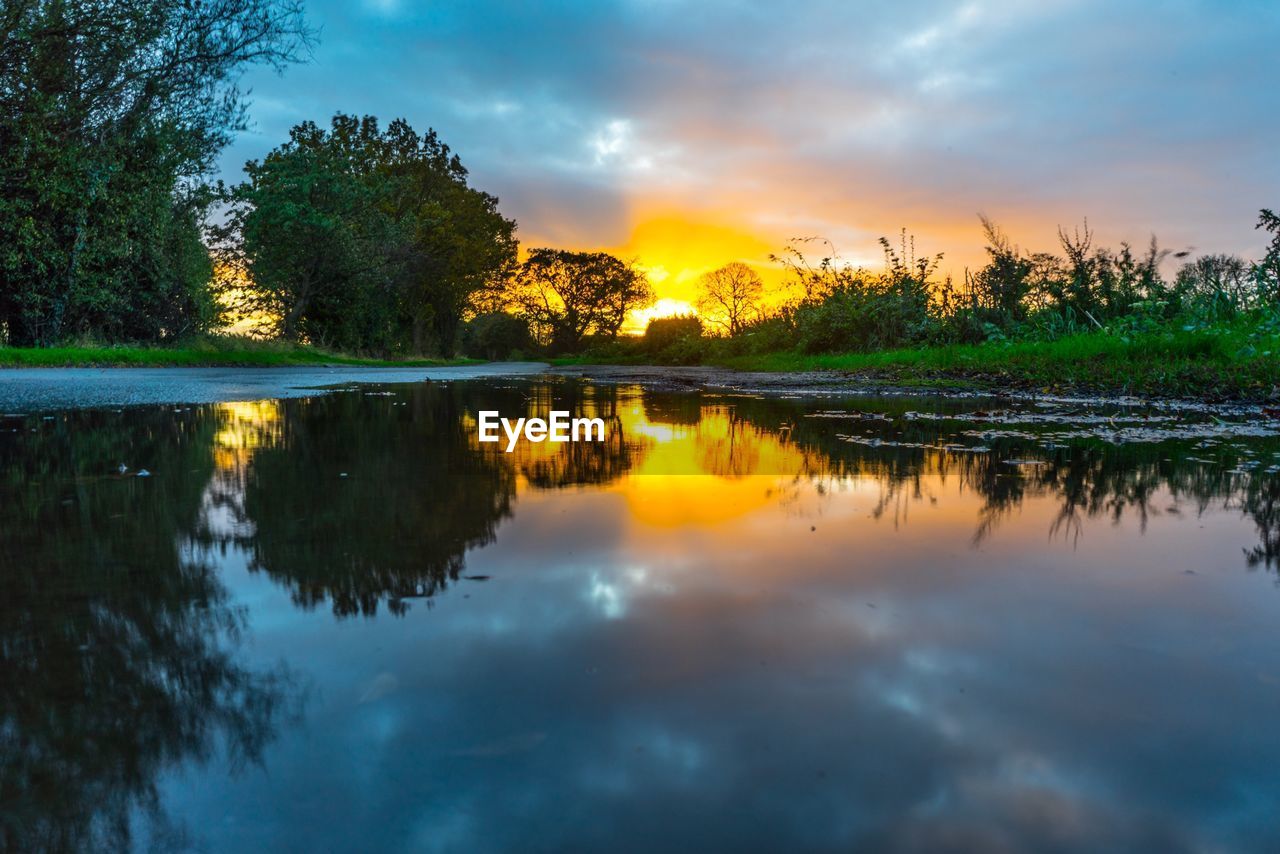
688,134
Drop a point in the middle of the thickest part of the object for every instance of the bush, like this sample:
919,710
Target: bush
865,316
685,351
663,332
767,335
496,335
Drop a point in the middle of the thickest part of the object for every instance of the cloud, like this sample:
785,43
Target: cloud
842,119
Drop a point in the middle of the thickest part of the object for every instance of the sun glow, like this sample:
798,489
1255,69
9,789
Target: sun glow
665,307
675,252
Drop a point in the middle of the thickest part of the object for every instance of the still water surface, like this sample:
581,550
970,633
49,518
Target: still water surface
338,623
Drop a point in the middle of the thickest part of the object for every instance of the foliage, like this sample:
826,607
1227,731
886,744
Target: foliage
363,239
1015,296
850,308
495,335
109,114
662,332
1267,271
1002,287
675,340
567,296
1236,360
1216,286
202,351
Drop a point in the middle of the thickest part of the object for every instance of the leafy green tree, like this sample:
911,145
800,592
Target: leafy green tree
110,112
308,232
567,296
458,245
364,239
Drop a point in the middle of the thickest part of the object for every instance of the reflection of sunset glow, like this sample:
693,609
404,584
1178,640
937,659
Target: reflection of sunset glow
706,473
244,427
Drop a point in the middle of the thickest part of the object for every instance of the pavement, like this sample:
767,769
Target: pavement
24,390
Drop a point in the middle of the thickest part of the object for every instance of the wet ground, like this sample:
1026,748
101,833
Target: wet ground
755,618
31,389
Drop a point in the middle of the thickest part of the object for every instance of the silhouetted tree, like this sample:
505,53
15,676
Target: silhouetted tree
730,296
567,296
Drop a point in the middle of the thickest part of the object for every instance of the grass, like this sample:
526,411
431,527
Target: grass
1239,361
1212,363
213,351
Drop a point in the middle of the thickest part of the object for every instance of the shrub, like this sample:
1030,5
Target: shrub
684,351
496,335
663,332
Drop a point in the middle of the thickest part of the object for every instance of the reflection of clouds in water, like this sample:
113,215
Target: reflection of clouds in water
612,592
786,662
607,597
774,697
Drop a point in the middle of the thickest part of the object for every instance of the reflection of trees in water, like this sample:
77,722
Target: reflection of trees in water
553,465
362,500
117,640
1089,478
1261,502
117,645
733,450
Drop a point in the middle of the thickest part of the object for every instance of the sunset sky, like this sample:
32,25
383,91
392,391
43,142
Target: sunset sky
691,134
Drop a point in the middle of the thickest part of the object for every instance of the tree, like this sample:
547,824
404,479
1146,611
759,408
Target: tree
364,239
457,245
306,231
731,296
567,296
1003,284
495,335
1266,272
1218,284
110,112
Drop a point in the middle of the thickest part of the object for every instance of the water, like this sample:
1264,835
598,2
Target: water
336,623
